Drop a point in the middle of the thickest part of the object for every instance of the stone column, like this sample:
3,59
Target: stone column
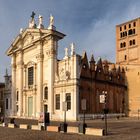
20,111
34,96
13,95
52,53
39,58
24,92
26,102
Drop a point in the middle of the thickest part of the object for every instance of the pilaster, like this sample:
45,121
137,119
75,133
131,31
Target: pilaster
52,55
20,111
13,96
39,58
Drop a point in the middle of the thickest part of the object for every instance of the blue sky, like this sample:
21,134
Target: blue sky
90,24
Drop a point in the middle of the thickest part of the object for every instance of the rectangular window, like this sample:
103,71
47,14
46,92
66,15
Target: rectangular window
68,100
6,103
30,75
57,99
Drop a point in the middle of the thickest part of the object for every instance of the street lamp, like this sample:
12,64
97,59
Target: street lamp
105,110
82,126
63,126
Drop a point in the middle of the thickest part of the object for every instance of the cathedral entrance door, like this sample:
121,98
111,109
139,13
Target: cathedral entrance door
30,106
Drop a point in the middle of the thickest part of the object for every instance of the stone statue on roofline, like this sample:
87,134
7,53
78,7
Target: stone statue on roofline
51,24
51,20
40,25
66,53
72,46
32,21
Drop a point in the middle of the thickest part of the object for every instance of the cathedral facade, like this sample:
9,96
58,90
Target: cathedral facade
41,82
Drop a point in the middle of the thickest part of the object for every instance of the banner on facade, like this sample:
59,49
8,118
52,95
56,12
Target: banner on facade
41,118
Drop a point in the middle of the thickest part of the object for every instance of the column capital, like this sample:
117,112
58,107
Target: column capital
39,57
51,53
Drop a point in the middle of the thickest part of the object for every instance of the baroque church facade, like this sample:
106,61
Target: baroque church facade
41,82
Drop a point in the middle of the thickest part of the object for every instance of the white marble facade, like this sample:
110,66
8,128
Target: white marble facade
41,82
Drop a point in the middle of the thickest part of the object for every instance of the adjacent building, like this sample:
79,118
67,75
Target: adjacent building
128,56
2,87
7,94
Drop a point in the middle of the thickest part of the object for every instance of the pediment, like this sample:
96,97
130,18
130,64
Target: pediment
27,37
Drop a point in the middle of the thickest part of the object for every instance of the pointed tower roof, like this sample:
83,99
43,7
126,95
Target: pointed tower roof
92,63
99,63
84,55
6,72
85,72
92,59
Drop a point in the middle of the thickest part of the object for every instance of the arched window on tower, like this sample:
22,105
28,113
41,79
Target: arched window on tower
130,32
121,45
124,44
133,31
46,93
130,42
133,41
134,24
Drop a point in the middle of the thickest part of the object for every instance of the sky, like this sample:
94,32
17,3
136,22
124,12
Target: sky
90,24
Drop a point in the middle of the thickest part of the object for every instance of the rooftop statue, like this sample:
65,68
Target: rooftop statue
40,25
32,21
72,48
51,24
33,15
51,20
40,19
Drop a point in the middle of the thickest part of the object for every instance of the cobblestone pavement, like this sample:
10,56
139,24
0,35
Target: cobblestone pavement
122,129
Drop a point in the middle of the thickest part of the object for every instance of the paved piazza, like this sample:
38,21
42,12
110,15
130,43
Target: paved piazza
122,129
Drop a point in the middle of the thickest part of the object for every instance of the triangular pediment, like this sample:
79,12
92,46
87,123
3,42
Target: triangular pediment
29,37
24,39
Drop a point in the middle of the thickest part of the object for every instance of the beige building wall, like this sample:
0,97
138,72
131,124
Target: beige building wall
128,56
133,83
128,42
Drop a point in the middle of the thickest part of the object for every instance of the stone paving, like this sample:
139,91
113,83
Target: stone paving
122,129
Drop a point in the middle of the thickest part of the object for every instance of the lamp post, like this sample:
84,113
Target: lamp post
63,126
82,126
105,110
